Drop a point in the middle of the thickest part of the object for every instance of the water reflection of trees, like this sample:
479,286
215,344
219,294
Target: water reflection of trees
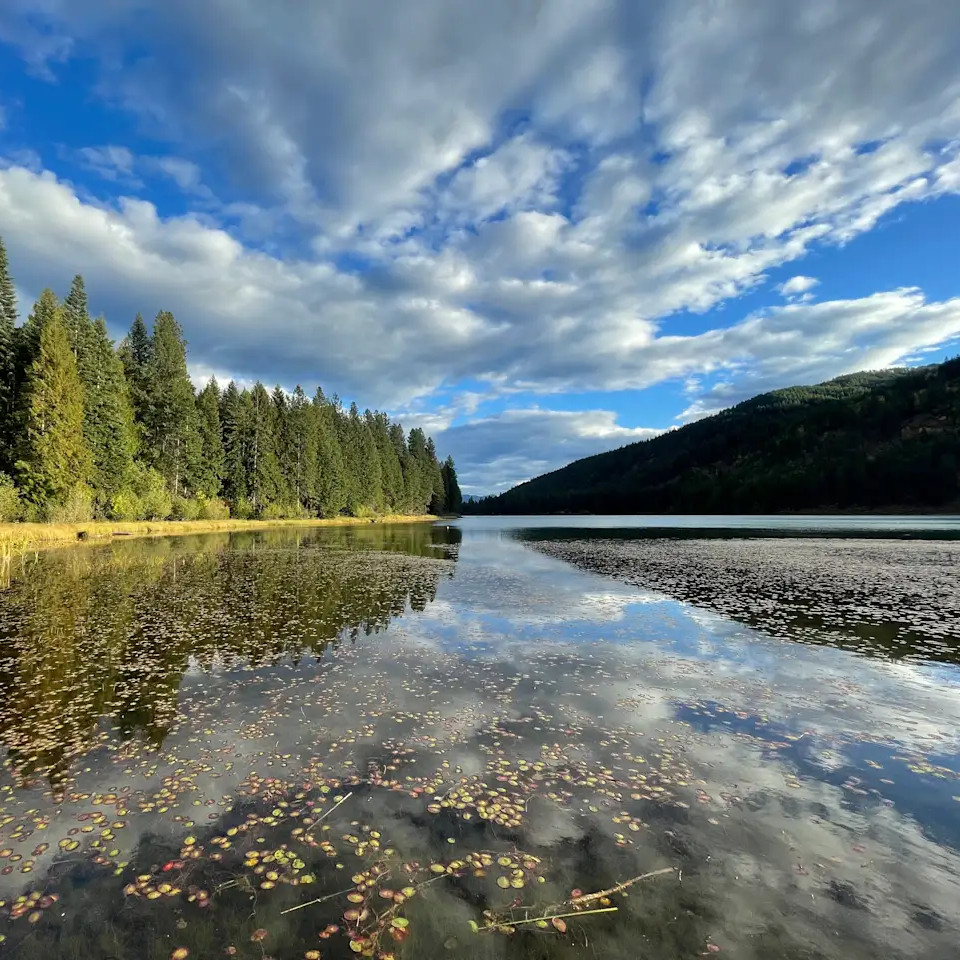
107,633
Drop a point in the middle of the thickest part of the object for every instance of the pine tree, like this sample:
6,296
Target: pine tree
303,449
211,470
172,433
108,426
452,497
263,470
437,492
408,471
8,361
136,352
332,489
390,470
77,320
360,452
28,336
234,417
419,479
53,456
282,446
107,416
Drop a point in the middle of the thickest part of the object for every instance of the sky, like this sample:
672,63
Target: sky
537,229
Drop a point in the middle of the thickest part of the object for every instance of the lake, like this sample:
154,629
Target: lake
461,740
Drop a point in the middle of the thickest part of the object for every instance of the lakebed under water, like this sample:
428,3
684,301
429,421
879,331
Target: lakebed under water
440,741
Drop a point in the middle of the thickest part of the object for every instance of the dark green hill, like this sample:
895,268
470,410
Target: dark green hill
873,440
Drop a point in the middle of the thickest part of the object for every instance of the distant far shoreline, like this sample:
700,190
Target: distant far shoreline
951,510
35,535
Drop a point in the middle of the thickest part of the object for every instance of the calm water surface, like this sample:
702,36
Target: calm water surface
430,742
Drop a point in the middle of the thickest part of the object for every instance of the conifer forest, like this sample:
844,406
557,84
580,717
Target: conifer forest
93,429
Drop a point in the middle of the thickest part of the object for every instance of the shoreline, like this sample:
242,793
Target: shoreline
36,535
951,510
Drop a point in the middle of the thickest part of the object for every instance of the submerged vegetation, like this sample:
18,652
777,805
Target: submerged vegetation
880,440
89,431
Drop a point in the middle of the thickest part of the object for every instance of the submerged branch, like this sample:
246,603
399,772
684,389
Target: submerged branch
590,897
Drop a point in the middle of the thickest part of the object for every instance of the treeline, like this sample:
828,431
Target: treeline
872,440
90,430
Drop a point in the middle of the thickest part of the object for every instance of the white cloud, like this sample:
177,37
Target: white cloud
809,343
521,174
184,173
110,162
796,286
494,453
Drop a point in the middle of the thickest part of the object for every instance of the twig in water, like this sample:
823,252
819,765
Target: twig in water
589,897
334,807
552,916
310,903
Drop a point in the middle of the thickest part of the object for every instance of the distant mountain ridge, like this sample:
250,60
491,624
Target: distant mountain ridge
867,440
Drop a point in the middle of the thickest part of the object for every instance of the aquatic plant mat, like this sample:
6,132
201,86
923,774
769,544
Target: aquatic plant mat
416,742
888,597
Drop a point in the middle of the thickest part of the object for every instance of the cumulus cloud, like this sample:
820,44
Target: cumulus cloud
797,286
496,452
808,343
506,195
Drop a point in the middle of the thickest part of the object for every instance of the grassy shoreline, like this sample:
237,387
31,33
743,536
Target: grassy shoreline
60,534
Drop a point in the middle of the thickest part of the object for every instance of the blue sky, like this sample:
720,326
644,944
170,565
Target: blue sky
537,230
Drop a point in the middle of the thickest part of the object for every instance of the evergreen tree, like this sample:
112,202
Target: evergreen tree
234,424
8,360
437,491
108,426
452,497
212,460
171,423
28,336
77,321
408,469
419,480
391,473
303,467
53,456
282,446
350,481
360,452
136,352
263,470
107,416
332,486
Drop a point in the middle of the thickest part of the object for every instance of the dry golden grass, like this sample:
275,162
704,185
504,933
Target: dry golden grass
19,535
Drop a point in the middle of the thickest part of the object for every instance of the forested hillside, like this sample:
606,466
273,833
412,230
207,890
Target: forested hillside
865,441
87,429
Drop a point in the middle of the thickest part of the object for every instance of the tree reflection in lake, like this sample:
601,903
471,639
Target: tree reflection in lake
110,632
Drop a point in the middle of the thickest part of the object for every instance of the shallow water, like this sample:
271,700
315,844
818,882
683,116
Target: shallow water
430,737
